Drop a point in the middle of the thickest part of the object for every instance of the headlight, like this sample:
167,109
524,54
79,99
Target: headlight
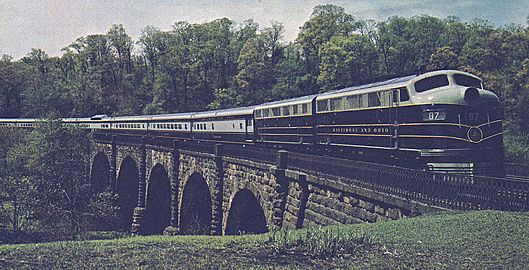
471,95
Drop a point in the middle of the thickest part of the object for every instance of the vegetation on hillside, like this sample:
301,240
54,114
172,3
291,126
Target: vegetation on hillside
473,240
44,189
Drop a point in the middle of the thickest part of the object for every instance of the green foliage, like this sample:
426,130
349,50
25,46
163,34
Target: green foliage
102,212
516,146
13,80
225,98
443,58
222,64
44,186
347,61
320,242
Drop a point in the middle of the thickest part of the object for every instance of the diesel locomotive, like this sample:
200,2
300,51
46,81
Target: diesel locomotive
441,121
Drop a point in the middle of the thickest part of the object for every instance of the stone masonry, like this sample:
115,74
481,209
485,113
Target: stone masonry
287,198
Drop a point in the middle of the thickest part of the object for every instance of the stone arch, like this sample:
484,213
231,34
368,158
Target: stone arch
245,215
127,190
196,206
158,207
100,173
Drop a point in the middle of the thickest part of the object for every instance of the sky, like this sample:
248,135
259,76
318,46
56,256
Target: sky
54,24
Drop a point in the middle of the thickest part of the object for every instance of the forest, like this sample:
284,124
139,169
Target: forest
224,64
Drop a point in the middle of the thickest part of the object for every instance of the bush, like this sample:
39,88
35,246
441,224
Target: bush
320,242
516,146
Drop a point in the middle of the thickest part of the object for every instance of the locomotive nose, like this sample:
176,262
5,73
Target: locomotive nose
471,95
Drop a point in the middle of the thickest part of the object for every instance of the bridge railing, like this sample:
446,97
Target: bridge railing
517,170
459,192
250,153
452,191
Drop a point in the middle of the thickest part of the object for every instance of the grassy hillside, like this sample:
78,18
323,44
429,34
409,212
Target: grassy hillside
475,240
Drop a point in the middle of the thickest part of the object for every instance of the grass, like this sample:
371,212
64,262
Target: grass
472,240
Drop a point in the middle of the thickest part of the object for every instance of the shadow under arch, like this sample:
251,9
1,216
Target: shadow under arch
100,173
127,190
245,216
158,207
195,213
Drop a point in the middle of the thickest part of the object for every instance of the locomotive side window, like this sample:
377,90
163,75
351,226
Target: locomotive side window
323,105
385,98
304,108
363,101
352,102
295,110
336,104
286,111
373,100
404,95
467,81
276,111
431,83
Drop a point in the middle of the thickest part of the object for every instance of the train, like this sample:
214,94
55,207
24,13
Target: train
442,121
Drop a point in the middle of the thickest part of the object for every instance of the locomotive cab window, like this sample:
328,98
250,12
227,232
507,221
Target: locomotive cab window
467,81
431,83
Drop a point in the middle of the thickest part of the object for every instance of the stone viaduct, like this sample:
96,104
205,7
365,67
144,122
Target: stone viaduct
176,187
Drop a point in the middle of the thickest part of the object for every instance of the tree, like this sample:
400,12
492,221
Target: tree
13,82
225,98
291,79
152,43
17,192
347,61
406,44
42,97
325,22
56,159
443,58
257,66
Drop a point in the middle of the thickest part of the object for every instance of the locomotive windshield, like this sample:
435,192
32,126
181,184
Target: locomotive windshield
467,81
431,83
